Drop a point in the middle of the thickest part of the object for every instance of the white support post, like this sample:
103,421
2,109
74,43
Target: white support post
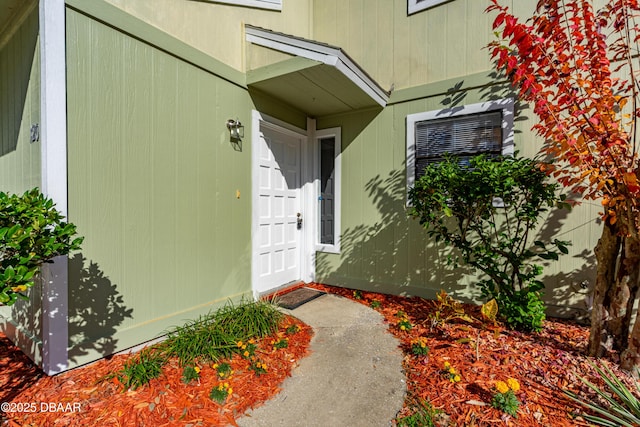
53,122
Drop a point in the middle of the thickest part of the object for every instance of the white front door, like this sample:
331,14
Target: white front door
278,198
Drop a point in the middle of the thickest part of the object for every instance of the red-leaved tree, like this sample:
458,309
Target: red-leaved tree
577,66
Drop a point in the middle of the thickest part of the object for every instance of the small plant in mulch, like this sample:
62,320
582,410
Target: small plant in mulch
223,370
248,349
505,398
281,343
375,304
424,415
419,346
293,329
450,373
190,373
141,369
403,321
221,393
447,310
259,367
357,294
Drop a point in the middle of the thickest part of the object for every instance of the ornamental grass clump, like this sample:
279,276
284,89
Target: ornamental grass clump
623,411
505,396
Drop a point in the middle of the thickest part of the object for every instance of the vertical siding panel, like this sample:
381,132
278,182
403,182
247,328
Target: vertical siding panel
186,124
456,38
165,254
136,121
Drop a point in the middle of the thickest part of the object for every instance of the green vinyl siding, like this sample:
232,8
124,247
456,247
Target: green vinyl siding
19,157
153,185
20,106
384,250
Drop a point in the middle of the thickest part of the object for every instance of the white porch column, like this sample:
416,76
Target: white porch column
53,122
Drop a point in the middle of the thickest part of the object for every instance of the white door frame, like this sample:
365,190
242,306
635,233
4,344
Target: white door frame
307,192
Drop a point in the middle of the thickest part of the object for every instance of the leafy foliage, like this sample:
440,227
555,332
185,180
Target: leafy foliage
488,212
622,412
577,67
32,232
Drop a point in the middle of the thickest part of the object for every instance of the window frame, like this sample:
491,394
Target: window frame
334,133
259,4
505,104
415,6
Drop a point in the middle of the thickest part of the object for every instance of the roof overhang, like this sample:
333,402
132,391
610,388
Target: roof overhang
319,79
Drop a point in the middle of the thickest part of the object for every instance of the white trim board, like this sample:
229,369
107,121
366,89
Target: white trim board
53,131
260,4
326,54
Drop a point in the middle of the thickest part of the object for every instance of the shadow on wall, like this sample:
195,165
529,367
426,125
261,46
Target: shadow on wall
392,255
395,254
96,309
21,55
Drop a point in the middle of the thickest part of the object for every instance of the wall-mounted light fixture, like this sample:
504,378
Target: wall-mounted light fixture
236,130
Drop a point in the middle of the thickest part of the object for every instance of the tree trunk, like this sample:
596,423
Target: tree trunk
606,251
630,356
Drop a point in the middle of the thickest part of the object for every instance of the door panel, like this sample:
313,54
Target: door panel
279,202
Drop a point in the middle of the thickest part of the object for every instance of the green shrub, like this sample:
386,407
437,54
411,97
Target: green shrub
488,212
522,310
32,232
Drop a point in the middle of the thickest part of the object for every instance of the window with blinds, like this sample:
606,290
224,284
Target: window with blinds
463,136
464,131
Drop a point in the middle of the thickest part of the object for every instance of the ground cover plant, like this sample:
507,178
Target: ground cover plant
480,373
202,375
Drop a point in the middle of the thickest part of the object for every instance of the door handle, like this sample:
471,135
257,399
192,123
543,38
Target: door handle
299,220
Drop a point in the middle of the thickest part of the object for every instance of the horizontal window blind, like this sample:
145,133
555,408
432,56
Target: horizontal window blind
462,136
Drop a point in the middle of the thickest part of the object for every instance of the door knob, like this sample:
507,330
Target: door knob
299,220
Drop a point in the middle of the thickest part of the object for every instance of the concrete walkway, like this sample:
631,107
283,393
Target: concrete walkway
353,376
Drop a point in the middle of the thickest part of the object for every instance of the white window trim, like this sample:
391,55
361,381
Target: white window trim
323,134
414,6
506,105
260,4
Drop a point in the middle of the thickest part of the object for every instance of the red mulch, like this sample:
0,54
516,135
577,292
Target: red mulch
543,363
82,397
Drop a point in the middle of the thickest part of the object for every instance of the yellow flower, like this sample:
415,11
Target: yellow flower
239,343
452,370
402,327
456,379
226,385
246,354
244,347
447,365
513,384
230,390
252,341
197,370
502,387
215,366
